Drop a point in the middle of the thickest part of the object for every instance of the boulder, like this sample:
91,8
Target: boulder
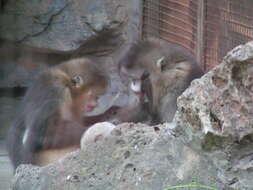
221,102
64,24
136,157
215,116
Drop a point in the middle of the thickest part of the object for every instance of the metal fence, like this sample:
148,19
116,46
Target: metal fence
207,28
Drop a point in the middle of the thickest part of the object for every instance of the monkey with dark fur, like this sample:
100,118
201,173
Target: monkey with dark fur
51,120
161,71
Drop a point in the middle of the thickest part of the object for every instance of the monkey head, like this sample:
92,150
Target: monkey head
140,67
161,71
132,70
145,67
86,83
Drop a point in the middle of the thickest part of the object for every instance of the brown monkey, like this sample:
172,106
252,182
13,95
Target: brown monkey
161,71
51,121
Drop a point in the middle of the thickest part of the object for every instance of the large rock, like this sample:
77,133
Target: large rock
136,157
216,117
65,24
221,102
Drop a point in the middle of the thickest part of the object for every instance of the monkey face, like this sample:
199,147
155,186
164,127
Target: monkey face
135,78
139,86
86,101
91,101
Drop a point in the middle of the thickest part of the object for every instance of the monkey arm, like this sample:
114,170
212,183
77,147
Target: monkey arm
64,133
132,113
106,116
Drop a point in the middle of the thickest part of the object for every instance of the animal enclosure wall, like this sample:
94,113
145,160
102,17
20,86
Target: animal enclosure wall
208,28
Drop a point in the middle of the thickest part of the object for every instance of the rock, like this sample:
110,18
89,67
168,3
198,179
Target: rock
215,116
20,63
15,75
64,25
221,102
136,157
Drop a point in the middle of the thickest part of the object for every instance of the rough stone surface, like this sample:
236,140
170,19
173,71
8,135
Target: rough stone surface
63,24
136,157
203,144
215,116
221,102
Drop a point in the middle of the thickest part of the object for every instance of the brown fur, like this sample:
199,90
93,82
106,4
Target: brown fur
51,116
165,71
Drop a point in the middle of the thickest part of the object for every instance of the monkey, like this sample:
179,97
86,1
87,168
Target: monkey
51,118
161,71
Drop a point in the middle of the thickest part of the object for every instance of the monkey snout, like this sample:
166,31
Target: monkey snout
90,108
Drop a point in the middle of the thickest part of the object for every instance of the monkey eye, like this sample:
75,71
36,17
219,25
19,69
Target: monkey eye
77,81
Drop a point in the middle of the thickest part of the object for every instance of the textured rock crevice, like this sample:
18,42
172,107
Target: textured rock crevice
41,24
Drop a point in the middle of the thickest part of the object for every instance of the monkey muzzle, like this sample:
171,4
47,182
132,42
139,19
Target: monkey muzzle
90,108
136,87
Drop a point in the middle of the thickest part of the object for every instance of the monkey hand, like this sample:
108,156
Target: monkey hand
112,111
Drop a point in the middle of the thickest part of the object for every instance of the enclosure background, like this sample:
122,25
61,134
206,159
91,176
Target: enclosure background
208,28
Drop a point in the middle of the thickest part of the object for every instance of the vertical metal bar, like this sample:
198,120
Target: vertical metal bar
140,19
200,33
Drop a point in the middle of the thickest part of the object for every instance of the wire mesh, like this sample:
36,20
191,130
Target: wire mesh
207,28
171,20
228,23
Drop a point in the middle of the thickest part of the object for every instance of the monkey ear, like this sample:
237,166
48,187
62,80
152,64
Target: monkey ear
160,63
77,81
